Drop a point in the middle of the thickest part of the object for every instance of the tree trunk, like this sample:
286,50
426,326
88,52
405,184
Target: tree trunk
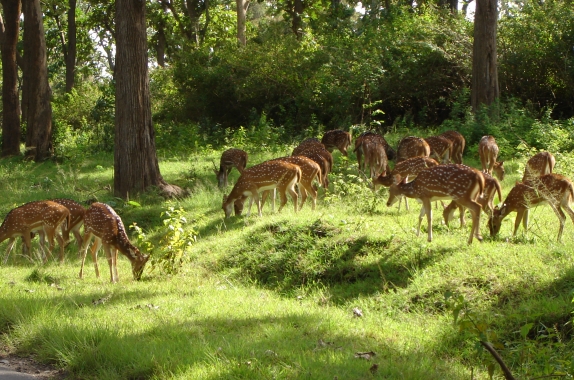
71,56
10,99
135,160
485,88
161,40
38,108
242,6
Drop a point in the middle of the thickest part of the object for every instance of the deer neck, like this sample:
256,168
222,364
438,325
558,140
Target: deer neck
409,190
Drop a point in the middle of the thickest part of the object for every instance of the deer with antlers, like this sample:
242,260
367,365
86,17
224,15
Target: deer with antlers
486,200
45,216
538,165
488,152
104,224
440,148
337,139
389,151
554,189
412,146
268,175
457,182
231,158
458,143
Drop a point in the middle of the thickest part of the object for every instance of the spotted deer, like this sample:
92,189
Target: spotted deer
268,175
104,224
491,188
310,171
231,158
538,165
412,146
458,143
554,189
375,156
306,144
407,169
440,148
452,181
321,156
390,152
77,212
337,139
488,152
46,216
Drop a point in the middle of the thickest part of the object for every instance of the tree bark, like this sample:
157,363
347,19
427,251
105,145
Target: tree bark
135,160
242,6
485,88
37,98
71,56
10,100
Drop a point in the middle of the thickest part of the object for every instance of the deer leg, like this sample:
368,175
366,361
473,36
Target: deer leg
79,240
94,252
475,210
561,217
115,263
84,251
61,243
9,249
110,258
427,207
521,216
294,196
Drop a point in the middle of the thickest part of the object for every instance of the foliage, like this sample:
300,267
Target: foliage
176,244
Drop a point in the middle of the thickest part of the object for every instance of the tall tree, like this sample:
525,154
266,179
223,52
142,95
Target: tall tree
242,6
36,92
135,160
9,30
72,48
485,88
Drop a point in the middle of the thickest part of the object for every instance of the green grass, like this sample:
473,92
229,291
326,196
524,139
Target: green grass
273,297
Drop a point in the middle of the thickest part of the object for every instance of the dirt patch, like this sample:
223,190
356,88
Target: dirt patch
31,367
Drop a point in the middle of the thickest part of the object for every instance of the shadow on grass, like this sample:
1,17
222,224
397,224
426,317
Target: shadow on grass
294,345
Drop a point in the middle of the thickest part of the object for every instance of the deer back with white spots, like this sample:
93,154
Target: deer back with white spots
457,182
105,225
538,165
268,175
412,146
554,189
440,148
45,216
337,139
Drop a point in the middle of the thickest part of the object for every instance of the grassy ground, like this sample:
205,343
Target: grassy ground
274,297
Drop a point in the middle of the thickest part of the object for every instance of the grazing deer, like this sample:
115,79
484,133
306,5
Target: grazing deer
337,139
307,144
77,212
375,156
45,216
265,176
408,169
321,156
412,146
102,223
488,152
440,148
491,188
554,189
231,158
390,152
458,143
310,171
457,182
538,165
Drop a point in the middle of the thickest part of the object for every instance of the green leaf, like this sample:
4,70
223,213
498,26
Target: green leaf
524,330
134,203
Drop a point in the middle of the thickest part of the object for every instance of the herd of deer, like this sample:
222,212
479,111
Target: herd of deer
423,171
49,218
